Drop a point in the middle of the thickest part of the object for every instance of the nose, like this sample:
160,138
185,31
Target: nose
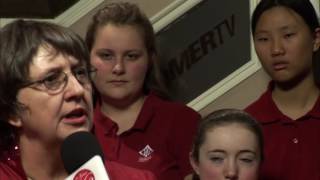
231,170
74,89
118,67
277,47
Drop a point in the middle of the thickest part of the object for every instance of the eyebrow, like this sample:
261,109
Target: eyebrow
282,28
103,49
288,27
134,51
217,151
240,152
50,70
247,151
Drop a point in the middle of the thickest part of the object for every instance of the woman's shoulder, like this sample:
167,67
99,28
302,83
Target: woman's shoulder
10,169
173,114
166,104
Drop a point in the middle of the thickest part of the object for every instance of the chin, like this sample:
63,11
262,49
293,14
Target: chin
118,94
74,130
81,129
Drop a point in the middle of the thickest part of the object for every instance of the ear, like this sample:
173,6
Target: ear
316,44
15,121
194,163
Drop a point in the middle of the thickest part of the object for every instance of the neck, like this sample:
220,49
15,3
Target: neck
124,116
298,99
39,161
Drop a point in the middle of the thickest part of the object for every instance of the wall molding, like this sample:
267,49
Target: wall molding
70,16
316,6
178,8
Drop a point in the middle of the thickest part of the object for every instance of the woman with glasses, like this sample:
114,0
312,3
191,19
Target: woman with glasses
134,123
45,95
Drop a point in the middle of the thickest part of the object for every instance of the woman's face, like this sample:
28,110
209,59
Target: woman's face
285,44
121,59
52,117
228,152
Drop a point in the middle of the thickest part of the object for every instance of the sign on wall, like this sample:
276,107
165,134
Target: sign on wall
204,46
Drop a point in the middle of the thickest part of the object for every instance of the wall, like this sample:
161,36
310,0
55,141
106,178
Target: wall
241,95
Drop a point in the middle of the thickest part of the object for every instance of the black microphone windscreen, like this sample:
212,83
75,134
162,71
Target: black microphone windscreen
78,148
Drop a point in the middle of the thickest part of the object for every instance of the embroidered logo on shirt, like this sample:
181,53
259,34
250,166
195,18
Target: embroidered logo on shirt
145,153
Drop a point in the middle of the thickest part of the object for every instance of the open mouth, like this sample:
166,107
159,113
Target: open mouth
77,116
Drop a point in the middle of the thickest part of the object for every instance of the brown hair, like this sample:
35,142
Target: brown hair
19,43
125,13
225,117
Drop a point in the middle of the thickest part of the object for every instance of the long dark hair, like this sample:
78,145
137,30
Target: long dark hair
305,10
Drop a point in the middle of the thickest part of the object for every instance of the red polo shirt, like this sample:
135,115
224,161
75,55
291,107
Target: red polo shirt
159,141
292,147
11,169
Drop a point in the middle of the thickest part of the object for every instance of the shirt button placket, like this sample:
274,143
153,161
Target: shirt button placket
295,138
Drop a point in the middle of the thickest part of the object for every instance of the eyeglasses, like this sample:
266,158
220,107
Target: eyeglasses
55,82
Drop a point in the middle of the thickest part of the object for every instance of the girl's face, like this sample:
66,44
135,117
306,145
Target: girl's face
285,44
228,152
50,117
121,59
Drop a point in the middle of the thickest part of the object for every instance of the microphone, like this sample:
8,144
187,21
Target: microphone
82,157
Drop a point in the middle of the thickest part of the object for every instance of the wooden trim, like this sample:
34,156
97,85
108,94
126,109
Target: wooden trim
70,16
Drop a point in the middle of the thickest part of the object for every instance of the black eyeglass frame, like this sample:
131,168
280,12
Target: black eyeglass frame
64,80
